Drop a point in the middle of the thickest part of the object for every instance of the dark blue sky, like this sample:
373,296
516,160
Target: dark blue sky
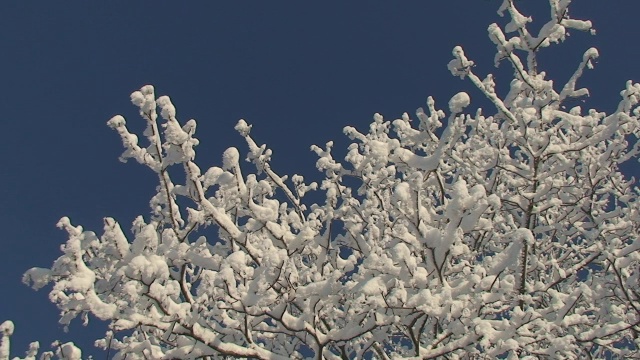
298,71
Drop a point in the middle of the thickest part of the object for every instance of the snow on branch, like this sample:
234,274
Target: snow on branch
506,235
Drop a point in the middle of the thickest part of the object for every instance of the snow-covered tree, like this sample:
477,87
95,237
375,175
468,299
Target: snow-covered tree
510,235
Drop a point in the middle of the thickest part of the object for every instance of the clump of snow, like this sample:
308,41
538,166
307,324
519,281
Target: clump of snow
372,287
144,99
582,25
460,65
590,55
243,128
230,158
137,98
211,176
168,111
379,150
7,328
459,101
116,121
69,351
237,261
403,192
489,84
518,21
496,35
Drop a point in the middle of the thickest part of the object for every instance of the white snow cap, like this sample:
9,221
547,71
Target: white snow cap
116,121
6,328
230,158
168,110
242,127
592,53
69,351
459,101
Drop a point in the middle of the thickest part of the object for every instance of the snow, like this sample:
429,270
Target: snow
458,102
168,111
69,351
460,65
506,258
243,128
230,158
137,98
504,234
145,100
518,21
379,151
577,24
116,121
403,192
6,330
372,287
237,261
496,35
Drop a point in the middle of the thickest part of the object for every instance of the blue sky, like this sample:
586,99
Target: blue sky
298,71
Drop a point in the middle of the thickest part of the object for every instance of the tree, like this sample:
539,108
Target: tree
467,236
